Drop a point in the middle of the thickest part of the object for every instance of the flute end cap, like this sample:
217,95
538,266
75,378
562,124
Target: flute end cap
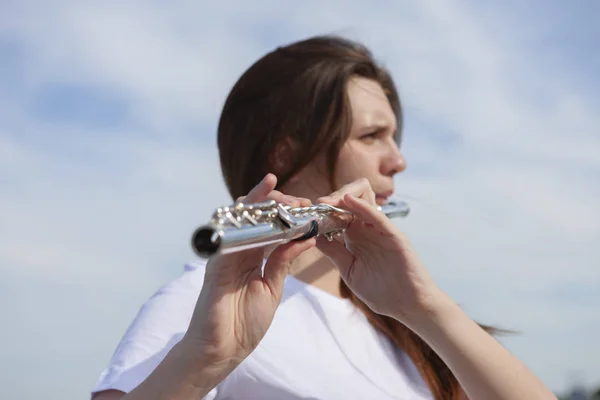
205,241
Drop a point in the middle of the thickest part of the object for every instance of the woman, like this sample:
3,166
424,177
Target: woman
317,121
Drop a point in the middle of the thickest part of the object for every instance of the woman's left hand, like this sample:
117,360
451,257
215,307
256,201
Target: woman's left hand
380,266
376,260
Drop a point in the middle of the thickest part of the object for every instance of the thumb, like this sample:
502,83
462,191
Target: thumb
338,254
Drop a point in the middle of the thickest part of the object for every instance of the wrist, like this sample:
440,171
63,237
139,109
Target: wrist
198,367
437,309
182,374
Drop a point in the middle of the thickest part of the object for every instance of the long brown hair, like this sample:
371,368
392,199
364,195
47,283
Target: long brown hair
298,92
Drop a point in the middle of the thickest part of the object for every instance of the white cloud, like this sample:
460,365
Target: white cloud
503,217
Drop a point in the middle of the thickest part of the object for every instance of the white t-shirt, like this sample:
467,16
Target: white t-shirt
318,347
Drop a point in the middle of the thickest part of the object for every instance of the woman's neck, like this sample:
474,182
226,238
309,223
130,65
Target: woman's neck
314,268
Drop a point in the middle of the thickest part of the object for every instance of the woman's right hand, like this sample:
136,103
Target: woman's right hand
237,304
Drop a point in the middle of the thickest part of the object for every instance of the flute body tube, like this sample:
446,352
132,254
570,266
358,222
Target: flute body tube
245,226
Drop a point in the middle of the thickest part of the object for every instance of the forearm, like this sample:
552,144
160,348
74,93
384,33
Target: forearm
484,368
179,376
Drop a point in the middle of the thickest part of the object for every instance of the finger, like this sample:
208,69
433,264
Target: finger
260,192
300,201
360,188
284,198
265,191
338,254
274,195
357,188
279,262
364,210
304,202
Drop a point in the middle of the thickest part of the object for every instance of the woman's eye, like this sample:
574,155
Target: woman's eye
369,136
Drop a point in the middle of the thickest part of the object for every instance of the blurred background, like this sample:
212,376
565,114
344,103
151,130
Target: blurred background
108,161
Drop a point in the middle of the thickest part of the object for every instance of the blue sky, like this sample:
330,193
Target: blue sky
108,162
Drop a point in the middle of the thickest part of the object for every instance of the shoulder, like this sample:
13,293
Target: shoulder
169,309
180,293
159,324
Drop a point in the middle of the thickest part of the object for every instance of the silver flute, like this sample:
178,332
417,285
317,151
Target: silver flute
245,226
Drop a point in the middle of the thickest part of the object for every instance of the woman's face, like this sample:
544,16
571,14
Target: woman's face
370,151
